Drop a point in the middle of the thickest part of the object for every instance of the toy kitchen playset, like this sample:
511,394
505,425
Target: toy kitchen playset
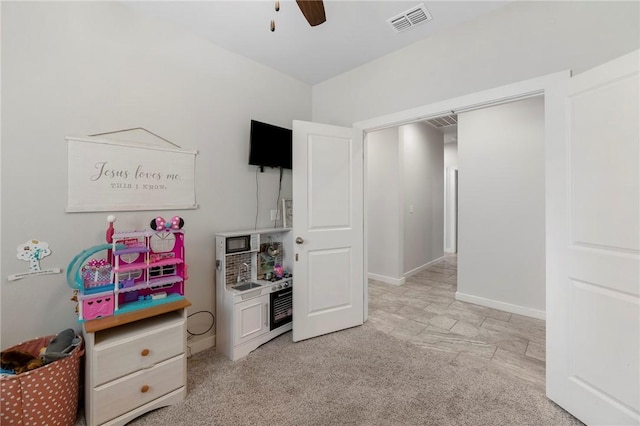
254,289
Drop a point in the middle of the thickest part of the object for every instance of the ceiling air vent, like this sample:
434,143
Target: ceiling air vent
410,18
444,121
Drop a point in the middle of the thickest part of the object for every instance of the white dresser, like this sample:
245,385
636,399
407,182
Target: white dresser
135,363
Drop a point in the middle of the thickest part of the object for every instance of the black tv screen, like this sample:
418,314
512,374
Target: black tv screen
270,145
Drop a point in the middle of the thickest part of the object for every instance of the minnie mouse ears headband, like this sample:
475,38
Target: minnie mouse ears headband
159,224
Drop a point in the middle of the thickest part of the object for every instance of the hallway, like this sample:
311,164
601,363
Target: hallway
424,312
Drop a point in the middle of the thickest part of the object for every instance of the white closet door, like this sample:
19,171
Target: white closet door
593,246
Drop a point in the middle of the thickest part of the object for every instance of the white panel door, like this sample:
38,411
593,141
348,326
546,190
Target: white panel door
593,246
327,229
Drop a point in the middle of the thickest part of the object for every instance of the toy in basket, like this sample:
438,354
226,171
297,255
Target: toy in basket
141,269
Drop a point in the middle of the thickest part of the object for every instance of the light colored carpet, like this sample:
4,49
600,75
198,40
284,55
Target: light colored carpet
359,376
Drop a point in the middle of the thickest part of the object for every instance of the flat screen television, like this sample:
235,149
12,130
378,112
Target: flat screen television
270,145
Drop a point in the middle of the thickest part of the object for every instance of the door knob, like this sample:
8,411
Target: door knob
299,240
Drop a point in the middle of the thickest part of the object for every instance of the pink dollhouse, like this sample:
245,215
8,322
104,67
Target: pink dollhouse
142,269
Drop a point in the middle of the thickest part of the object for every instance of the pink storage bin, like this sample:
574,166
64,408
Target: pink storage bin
96,273
96,277
45,396
99,306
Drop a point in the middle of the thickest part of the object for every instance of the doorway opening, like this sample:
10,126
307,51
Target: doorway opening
427,302
472,102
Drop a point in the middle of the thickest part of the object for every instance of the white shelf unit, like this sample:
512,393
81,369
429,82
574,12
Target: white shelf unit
147,265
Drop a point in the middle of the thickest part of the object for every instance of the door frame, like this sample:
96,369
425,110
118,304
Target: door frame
486,98
451,210
554,130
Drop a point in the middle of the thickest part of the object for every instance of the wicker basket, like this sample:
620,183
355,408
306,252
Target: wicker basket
45,396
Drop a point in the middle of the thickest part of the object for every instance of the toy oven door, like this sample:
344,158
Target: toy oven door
281,307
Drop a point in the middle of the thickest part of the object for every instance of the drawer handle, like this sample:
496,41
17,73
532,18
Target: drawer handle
144,352
144,389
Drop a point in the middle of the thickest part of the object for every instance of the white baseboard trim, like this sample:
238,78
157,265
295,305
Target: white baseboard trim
385,279
502,306
422,268
201,344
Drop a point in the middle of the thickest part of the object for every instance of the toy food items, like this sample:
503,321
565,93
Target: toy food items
18,361
278,270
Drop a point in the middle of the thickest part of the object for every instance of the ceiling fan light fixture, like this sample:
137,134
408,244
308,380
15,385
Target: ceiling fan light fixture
313,11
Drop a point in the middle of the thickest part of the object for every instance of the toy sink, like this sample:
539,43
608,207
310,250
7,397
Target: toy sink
246,286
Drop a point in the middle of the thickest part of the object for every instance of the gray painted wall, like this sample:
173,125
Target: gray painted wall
501,240
523,40
79,68
423,165
384,205
404,196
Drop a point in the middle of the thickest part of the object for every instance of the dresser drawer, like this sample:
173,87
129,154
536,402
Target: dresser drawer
130,392
156,341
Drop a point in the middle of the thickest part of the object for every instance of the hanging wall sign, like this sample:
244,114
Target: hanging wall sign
109,175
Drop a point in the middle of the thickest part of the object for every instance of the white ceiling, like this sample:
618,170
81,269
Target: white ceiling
356,32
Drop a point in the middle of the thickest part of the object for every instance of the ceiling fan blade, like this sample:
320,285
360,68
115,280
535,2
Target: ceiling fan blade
313,10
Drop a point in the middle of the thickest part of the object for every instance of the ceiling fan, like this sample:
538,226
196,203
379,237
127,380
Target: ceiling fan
313,11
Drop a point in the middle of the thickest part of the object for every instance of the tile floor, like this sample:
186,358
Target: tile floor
424,311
